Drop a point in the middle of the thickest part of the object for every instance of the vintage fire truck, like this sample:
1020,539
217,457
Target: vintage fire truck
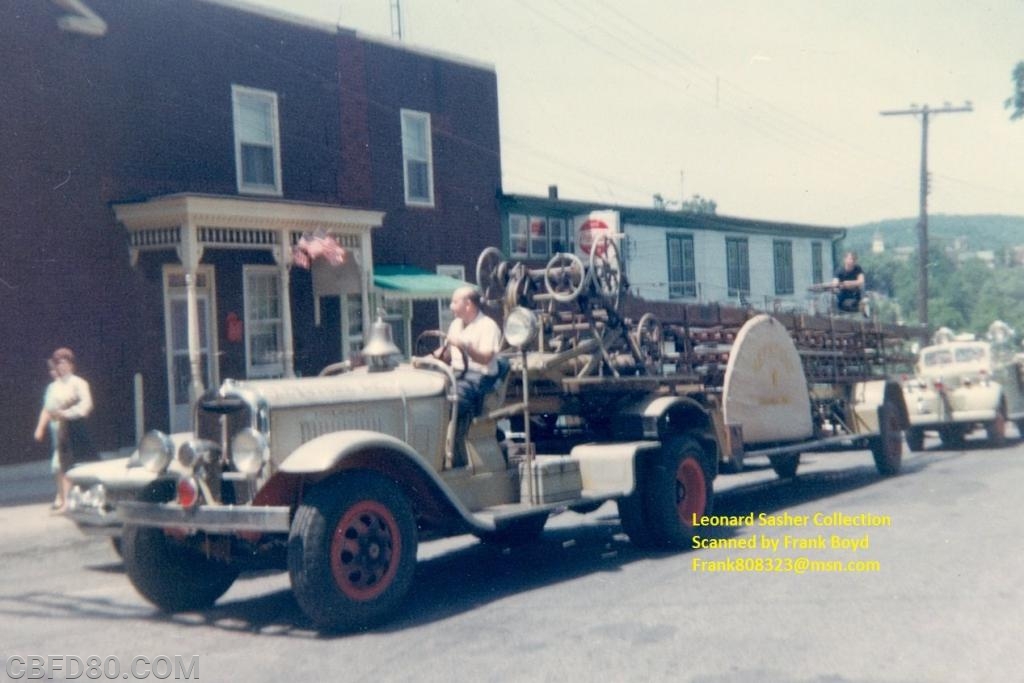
337,478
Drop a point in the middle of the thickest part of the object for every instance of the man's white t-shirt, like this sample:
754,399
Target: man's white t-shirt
482,335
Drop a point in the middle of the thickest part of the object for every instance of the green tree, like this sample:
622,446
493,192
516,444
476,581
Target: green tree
698,204
966,296
1015,103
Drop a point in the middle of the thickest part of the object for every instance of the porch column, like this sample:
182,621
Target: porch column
283,257
366,251
190,252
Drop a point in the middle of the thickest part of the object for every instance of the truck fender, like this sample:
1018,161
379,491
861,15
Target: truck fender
662,417
609,469
870,396
653,418
329,454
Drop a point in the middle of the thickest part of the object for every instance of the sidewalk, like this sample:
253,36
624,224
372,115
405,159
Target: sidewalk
27,482
32,482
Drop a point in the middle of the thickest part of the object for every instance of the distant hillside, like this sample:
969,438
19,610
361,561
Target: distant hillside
979,232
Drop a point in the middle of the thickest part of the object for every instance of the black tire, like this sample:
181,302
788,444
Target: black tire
1020,427
172,575
516,532
952,436
634,519
785,465
352,551
915,439
996,429
118,546
670,490
887,447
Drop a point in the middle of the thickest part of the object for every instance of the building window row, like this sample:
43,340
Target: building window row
537,236
258,147
682,272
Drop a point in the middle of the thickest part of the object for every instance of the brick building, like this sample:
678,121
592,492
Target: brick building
159,160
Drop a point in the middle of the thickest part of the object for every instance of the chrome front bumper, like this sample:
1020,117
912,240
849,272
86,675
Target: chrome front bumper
95,523
93,509
211,518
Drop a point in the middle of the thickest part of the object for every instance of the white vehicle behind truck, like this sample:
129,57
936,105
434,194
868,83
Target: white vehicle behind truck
337,478
962,383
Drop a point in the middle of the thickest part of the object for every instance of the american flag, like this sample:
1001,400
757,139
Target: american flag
310,247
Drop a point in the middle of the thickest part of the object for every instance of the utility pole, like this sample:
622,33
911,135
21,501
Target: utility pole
922,222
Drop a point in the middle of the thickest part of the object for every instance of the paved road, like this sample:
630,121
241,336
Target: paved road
583,605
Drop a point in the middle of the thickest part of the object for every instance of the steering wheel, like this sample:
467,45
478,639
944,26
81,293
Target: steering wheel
565,277
648,338
440,345
519,289
443,352
491,274
605,269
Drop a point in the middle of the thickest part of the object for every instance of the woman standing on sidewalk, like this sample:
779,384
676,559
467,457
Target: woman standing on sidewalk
71,402
48,423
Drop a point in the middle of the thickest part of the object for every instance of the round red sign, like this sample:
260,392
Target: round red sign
590,230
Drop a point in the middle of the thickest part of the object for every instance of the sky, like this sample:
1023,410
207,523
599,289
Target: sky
772,110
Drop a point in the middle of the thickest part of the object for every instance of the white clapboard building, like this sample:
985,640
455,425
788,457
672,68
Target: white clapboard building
679,256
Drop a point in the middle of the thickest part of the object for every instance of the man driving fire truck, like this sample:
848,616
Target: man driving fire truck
475,340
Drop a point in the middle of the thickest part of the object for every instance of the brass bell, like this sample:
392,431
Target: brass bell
380,352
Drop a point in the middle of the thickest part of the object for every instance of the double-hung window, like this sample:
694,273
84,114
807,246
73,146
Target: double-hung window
417,158
737,259
783,259
682,275
257,141
264,325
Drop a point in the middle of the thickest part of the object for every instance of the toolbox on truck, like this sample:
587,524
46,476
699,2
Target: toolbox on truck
555,478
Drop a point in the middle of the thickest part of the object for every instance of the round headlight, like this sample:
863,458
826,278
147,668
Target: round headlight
248,451
521,327
194,451
155,451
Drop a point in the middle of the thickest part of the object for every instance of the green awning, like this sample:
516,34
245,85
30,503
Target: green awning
412,283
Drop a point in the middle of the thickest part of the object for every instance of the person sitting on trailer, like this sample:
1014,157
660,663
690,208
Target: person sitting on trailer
848,283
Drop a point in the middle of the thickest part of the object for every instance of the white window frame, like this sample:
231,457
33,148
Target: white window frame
518,235
411,155
737,265
685,286
252,323
539,244
782,267
558,231
399,312
238,94
351,324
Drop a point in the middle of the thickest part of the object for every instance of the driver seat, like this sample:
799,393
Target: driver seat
495,398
